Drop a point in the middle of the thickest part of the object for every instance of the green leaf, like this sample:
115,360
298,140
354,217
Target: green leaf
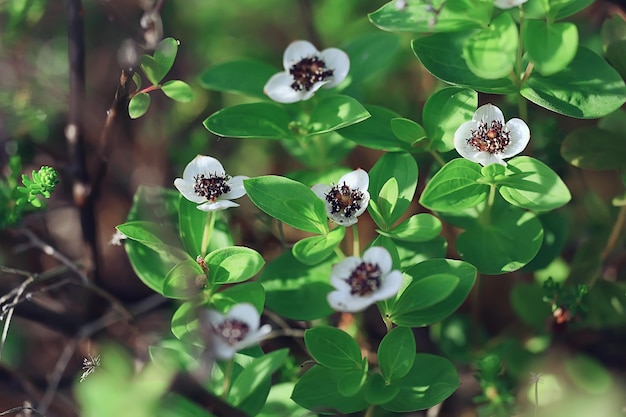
288,201
403,168
417,17
463,271
156,237
257,371
377,391
178,91
150,267
334,112
407,130
587,88
246,292
396,353
333,348
352,380
242,77
185,324
550,46
253,120
191,223
184,281
157,66
526,300
423,293
560,9
607,153
313,250
614,42
387,199
431,380
318,390
138,105
541,189
442,55
509,241
370,54
455,187
490,53
417,228
279,403
444,112
375,132
297,291
233,264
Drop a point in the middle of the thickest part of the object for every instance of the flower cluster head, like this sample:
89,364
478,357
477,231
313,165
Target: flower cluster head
507,4
360,282
204,182
487,139
234,331
346,200
306,71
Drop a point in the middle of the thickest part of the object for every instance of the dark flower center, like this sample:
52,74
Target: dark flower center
344,200
365,279
307,72
233,330
211,186
492,138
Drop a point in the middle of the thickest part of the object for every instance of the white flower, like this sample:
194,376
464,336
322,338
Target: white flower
306,70
507,4
486,139
237,330
205,182
348,199
362,282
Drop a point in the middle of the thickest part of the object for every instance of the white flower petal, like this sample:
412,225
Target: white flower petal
364,202
488,113
296,51
342,271
278,88
217,205
358,179
213,317
390,286
339,62
236,188
245,312
343,301
380,256
221,349
520,136
202,164
187,190
486,158
339,219
321,190
507,4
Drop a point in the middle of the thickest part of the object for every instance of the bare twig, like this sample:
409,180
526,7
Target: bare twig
10,310
51,251
22,408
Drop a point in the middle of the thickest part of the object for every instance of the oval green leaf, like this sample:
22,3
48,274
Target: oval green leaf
417,228
313,250
257,371
550,46
333,348
608,149
184,281
533,185
587,88
375,132
138,105
455,187
242,77
335,112
233,264
253,120
396,353
510,240
178,90
288,201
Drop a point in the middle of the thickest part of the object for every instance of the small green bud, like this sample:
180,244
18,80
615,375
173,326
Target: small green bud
48,178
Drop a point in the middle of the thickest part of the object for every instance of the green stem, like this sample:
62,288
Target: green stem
356,244
438,158
227,375
370,411
388,323
519,79
339,253
206,235
615,233
485,216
